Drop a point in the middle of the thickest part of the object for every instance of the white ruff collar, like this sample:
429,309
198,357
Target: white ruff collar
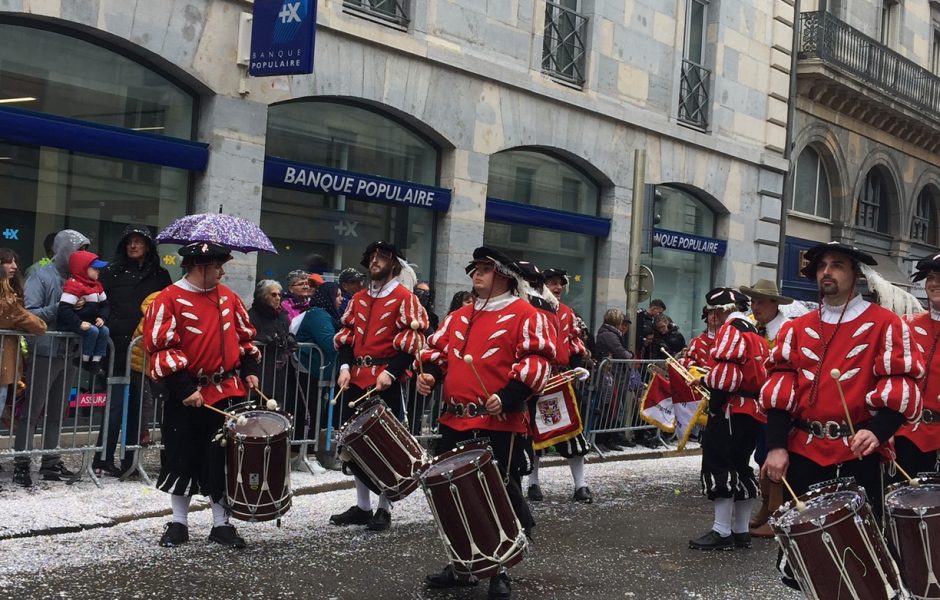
495,303
774,326
186,285
856,306
385,290
934,314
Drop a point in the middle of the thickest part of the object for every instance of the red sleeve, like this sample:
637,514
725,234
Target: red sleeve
898,366
346,336
438,345
535,351
408,339
728,356
779,391
161,340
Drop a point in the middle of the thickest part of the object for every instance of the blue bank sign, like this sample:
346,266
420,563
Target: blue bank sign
282,33
688,242
335,182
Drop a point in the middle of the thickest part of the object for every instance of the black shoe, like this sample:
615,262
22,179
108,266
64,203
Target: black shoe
227,536
56,472
353,516
583,495
499,586
106,468
380,521
174,534
448,578
712,541
742,540
21,476
535,493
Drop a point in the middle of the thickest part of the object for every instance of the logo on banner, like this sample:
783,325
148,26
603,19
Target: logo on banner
282,33
290,17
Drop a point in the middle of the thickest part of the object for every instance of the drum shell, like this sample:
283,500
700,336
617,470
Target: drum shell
909,529
248,500
384,449
495,530
848,527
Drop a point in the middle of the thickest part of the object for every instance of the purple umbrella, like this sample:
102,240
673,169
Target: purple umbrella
234,232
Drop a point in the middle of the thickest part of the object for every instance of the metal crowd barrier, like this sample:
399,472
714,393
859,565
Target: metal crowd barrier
612,404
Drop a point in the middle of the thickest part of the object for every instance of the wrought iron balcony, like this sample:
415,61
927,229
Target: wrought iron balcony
693,94
563,49
841,68
392,11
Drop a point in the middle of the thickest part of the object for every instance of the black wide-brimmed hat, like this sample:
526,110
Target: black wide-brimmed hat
203,253
531,273
925,266
815,254
723,298
555,272
385,247
502,263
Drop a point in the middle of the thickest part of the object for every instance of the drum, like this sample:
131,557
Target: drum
257,466
913,513
471,507
384,449
834,546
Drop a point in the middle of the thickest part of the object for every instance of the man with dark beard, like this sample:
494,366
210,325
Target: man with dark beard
376,345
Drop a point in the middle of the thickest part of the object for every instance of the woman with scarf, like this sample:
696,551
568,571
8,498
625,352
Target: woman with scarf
297,297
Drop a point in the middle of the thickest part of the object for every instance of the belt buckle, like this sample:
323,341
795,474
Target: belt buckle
928,416
833,430
471,410
816,428
458,409
366,361
216,378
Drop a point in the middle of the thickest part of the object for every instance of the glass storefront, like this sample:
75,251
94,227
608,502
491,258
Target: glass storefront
682,278
45,189
350,138
541,180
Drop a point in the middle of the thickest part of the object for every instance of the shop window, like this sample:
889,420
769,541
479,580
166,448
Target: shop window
924,224
811,195
873,203
351,138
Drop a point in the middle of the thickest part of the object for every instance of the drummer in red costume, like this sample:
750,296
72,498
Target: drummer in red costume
376,347
198,336
512,346
918,444
737,361
570,354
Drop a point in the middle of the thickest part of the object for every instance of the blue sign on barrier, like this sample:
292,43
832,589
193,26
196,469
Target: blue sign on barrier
688,242
282,35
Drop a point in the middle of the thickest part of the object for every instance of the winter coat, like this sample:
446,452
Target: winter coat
44,289
80,287
137,351
127,285
315,327
273,336
609,343
13,315
673,341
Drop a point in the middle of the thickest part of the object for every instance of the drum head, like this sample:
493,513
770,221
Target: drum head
916,498
456,464
260,424
820,507
361,422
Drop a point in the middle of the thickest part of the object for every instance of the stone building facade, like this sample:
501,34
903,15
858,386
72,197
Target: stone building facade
528,113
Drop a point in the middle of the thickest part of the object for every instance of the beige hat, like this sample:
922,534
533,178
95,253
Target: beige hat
765,289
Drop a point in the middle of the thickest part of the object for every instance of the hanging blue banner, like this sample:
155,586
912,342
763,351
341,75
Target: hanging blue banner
688,242
282,34
335,182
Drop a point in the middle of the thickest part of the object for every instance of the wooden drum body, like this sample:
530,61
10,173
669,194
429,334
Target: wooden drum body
257,466
913,513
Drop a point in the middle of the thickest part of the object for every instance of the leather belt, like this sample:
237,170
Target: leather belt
216,378
930,416
830,430
465,411
368,361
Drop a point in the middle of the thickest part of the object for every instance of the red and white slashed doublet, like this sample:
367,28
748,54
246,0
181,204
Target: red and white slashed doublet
508,339
202,333
380,326
569,342
737,365
699,352
925,328
880,365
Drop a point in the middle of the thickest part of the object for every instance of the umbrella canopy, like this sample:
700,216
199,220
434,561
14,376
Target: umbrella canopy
234,232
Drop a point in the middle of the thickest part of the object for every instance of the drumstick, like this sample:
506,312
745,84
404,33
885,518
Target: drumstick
468,358
911,480
239,419
800,505
362,397
338,395
268,403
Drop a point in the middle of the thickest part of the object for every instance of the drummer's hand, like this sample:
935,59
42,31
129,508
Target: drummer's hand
342,381
195,399
425,383
776,464
494,405
252,382
383,381
863,443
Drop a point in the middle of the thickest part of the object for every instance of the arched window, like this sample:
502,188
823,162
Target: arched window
873,203
811,189
924,224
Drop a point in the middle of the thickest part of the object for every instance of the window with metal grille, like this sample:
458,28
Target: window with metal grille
873,203
393,11
924,224
563,46
695,78
811,185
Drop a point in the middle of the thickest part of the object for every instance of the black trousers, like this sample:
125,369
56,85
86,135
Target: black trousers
913,460
803,473
726,457
392,396
500,443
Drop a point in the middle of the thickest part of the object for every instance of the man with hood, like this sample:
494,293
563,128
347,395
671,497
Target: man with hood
134,274
47,389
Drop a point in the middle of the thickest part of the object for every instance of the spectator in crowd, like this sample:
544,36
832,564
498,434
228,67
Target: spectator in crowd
315,263
585,332
133,275
426,298
150,390
84,309
318,326
13,315
272,333
460,299
47,257
297,298
666,337
350,281
610,343
645,321
46,393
